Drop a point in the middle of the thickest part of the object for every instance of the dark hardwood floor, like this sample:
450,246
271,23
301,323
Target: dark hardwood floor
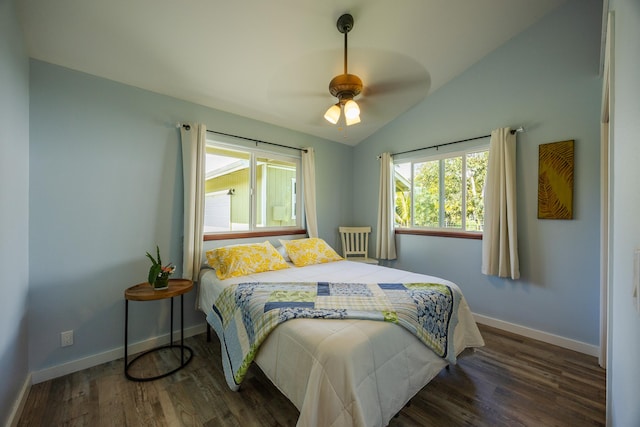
512,381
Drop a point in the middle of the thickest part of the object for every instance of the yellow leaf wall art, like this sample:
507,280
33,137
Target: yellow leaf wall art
555,180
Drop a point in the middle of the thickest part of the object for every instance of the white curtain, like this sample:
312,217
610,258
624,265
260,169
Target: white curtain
309,179
500,234
385,238
193,167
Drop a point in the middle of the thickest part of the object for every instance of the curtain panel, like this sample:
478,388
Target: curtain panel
500,234
309,180
193,166
385,237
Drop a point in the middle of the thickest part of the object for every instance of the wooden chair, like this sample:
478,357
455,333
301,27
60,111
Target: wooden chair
355,244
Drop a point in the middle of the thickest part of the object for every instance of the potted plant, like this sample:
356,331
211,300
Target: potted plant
159,274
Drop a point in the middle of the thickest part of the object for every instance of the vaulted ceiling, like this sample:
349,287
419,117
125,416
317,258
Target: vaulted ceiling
272,60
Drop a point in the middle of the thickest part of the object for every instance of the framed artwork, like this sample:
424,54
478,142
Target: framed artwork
555,180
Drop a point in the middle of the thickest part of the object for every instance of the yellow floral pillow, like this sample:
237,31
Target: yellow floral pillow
240,260
309,251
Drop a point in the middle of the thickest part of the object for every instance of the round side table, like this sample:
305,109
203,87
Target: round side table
144,292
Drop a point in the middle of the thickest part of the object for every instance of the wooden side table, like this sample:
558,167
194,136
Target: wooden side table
144,292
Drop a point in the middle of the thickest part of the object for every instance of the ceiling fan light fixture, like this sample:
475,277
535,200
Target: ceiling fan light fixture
333,114
352,120
351,110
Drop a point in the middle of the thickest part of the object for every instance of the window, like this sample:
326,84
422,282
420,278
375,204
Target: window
248,189
444,192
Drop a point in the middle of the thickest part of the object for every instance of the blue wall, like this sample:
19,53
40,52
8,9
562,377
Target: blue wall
106,187
546,79
14,208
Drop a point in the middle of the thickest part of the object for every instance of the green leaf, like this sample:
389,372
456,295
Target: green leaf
156,266
153,261
153,273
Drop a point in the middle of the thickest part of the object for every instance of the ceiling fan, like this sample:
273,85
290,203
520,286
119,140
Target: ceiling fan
390,83
345,86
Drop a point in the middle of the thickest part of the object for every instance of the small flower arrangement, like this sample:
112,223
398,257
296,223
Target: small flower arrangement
159,274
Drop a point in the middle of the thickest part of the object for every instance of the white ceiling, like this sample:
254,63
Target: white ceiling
272,60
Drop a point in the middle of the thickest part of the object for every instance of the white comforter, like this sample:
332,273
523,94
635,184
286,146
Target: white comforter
346,372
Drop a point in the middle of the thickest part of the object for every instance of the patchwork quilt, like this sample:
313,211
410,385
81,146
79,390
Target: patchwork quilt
244,314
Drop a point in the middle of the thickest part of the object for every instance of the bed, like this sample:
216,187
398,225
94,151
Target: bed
339,372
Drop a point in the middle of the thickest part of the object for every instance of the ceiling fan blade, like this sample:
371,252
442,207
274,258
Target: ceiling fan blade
418,83
370,109
305,94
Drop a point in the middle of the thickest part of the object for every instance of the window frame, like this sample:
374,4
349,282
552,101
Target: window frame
276,153
440,157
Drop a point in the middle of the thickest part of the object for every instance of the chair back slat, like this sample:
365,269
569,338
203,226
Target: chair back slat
355,243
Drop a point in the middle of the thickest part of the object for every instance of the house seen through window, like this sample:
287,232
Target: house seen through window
249,189
441,192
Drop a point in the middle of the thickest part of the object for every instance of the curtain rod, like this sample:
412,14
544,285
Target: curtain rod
518,130
188,127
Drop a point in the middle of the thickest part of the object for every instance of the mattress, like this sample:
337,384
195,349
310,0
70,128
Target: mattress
348,372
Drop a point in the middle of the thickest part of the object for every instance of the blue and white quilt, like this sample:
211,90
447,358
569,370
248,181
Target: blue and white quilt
244,314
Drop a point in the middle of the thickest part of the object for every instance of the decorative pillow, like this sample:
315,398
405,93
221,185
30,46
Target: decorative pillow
240,260
309,251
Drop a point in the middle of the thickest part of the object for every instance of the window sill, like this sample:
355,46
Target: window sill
247,234
440,233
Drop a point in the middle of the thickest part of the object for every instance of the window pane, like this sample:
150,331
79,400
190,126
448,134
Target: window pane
452,192
476,175
402,181
426,192
276,193
227,186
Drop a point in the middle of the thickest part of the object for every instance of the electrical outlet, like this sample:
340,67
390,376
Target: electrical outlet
66,338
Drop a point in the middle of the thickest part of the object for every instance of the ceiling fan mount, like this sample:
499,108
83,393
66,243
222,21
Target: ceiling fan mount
345,86
345,23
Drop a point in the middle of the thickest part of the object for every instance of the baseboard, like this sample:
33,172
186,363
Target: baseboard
581,347
108,356
18,405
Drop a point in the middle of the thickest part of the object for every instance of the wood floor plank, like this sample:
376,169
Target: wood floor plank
512,381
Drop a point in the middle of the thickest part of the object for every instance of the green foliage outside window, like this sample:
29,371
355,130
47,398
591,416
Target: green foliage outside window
426,206
476,175
403,208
